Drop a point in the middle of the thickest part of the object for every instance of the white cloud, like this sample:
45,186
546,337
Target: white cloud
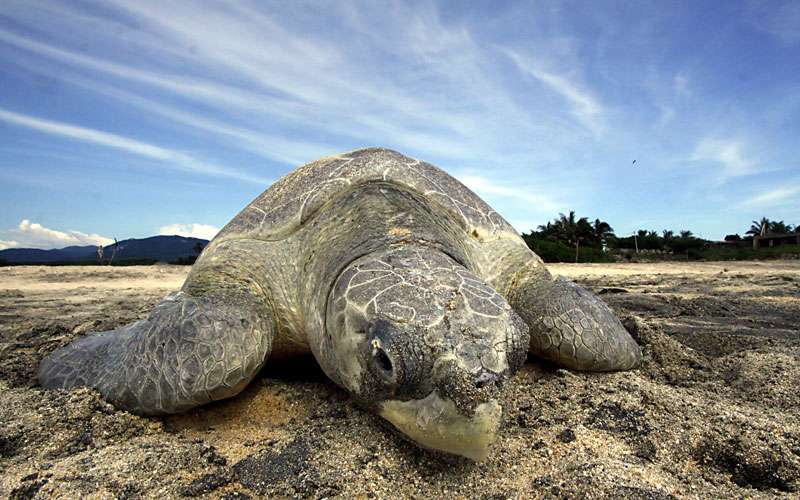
490,189
194,230
33,235
583,105
169,157
771,197
726,152
4,244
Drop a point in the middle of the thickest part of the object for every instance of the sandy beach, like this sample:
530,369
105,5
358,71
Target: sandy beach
714,411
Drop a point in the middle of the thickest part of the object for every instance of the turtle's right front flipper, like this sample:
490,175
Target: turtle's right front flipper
189,351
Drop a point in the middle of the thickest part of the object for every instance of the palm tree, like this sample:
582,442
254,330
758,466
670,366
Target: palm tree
653,240
685,233
601,231
567,227
759,228
780,227
667,236
583,232
571,230
549,231
647,240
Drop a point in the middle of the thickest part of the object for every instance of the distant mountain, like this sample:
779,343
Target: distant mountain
154,249
38,256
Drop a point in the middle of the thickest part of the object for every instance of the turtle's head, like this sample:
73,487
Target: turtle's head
425,343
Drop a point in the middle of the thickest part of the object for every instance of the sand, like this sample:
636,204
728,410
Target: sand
714,411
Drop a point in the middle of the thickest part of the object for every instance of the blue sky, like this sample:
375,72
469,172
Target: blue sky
133,118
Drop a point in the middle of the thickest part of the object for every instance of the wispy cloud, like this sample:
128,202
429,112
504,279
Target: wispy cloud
167,156
771,197
193,88
585,107
316,102
666,115
778,18
727,153
321,86
491,189
193,230
33,235
289,151
680,83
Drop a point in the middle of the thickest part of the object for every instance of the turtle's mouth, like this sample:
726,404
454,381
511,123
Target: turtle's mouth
436,423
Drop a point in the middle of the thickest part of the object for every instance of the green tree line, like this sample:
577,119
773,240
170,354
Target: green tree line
571,239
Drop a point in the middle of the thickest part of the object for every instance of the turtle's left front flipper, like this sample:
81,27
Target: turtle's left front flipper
192,349
571,326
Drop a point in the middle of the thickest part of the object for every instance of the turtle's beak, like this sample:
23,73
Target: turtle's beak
435,423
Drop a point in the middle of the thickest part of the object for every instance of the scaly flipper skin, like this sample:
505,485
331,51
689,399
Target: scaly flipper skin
189,351
572,327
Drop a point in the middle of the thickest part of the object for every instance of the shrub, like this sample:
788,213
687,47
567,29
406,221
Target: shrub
555,251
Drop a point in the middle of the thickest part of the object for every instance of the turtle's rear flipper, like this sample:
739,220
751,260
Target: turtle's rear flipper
573,327
191,350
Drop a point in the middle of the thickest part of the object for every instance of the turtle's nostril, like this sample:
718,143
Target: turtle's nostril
383,360
485,378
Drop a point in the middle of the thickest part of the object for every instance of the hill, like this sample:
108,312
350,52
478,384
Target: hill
175,249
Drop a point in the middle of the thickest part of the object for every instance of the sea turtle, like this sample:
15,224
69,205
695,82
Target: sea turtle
410,291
